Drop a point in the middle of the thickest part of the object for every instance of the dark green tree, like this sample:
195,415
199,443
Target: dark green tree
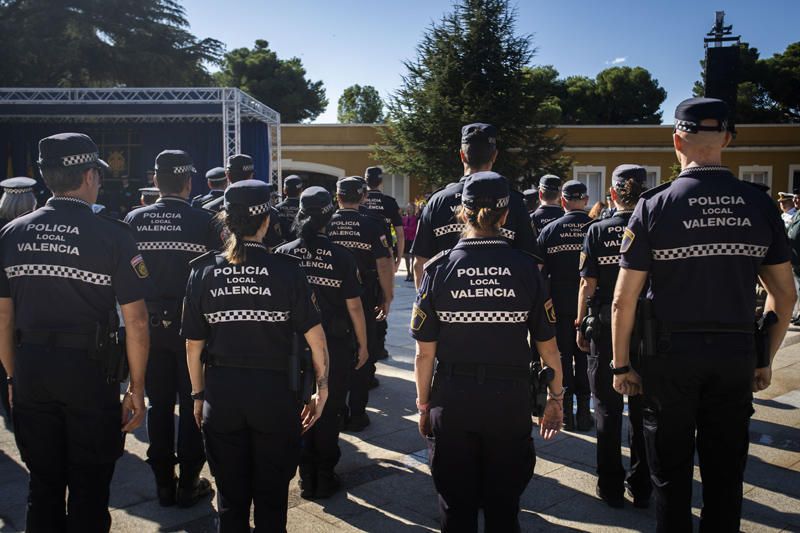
470,67
73,43
783,81
279,83
629,95
360,105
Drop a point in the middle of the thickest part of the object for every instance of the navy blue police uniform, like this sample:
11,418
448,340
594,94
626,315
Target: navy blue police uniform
333,275
438,229
215,176
66,409
241,167
561,242
365,238
479,302
600,260
706,234
287,209
169,234
248,314
545,214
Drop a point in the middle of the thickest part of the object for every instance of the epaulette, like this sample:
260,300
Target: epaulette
436,258
649,193
116,221
201,258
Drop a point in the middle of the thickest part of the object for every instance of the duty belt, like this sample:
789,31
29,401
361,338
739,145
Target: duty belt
56,339
280,364
483,372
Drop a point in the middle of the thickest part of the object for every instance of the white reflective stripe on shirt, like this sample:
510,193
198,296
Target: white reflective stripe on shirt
354,244
247,315
172,246
711,249
324,282
565,248
59,271
609,260
482,316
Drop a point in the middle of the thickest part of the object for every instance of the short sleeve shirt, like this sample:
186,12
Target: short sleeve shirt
362,235
600,256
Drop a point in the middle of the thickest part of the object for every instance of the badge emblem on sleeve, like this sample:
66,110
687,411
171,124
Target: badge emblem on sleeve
418,317
550,311
139,267
627,240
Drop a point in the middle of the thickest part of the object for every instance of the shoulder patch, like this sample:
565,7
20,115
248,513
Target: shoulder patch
627,239
550,311
649,193
138,265
418,317
436,258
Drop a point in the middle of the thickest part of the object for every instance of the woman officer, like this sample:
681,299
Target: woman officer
474,311
244,306
331,271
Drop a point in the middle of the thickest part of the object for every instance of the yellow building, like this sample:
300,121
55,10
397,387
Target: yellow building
768,154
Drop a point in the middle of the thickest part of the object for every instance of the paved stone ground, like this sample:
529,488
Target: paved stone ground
388,487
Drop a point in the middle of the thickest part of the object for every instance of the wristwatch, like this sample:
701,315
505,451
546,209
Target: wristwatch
199,395
619,370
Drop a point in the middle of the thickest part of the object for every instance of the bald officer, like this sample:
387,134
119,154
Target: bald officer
703,240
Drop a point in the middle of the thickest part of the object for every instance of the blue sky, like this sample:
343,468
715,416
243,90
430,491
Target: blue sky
343,42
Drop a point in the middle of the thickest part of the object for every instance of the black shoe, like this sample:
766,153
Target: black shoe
167,493
188,496
328,483
583,420
374,383
308,488
617,502
640,502
357,423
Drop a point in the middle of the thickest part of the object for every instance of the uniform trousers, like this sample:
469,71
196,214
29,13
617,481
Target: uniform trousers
68,429
573,360
4,392
167,379
320,449
608,408
360,379
698,396
481,451
251,428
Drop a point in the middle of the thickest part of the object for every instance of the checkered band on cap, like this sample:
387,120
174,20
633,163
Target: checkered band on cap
172,246
183,169
247,315
711,249
355,244
18,191
609,260
502,202
565,248
470,317
248,168
685,125
79,159
324,282
259,209
58,271
507,233
450,228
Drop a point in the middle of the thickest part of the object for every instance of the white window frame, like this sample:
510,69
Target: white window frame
792,170
657,171
757,168
601,196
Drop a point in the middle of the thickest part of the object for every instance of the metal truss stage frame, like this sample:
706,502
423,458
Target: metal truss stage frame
214,104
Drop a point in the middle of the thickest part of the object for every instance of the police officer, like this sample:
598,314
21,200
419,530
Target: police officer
170,233
18,199
148,195
217,181
531,198
702,240
599,266
241,167
550,198
364,237
287,209
382,205
333,275
438,228
65,400
474,311
244,306
561,242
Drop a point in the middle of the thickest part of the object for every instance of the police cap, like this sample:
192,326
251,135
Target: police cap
530,193
478,133
624,173
240,165
550,182
351,185
782,196
574,190
70,150
216,174
292,183
485,189
316,200
373,175
18,185
150,192
174,162
247,196
692,111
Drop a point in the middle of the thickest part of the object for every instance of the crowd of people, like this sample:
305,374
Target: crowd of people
263,322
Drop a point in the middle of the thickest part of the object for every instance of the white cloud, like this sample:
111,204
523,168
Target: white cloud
617,61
